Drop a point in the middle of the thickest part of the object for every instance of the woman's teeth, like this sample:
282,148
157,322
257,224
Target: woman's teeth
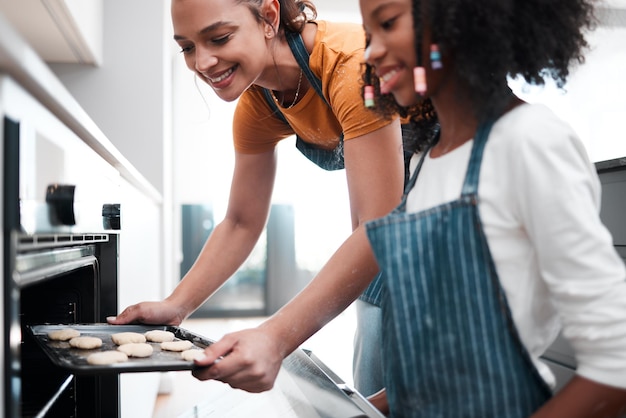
222,77
387,76
385,79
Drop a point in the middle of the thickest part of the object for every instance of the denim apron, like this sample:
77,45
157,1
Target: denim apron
451,344
326,159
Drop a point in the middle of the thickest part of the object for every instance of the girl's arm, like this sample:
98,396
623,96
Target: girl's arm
583,398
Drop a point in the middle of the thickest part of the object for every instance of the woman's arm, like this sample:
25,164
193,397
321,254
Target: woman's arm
226,249
583,398
252,358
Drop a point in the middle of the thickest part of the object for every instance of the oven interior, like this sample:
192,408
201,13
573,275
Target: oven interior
68,298
62,285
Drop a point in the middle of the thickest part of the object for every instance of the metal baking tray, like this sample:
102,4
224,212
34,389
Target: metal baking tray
75,360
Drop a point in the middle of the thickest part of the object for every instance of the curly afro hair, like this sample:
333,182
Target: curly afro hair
492,40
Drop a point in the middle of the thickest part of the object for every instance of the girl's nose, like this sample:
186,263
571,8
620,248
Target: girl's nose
205,60
373,52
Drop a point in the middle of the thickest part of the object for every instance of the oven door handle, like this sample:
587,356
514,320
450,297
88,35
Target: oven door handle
47,271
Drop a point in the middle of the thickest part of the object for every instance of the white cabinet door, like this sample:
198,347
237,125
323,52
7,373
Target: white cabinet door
67,31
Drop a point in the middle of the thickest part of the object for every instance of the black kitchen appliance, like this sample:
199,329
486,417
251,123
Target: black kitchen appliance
61,222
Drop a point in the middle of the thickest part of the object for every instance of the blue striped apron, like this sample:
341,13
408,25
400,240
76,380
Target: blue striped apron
326,159
451,346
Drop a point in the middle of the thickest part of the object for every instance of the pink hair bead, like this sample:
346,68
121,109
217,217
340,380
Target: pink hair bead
419,78
368,95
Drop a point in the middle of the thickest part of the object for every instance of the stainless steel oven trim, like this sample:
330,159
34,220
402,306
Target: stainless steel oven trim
46,272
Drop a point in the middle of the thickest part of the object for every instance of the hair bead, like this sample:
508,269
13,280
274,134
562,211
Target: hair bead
419,78
435,57
368,95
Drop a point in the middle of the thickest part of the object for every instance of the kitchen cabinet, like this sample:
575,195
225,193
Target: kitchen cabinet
68,31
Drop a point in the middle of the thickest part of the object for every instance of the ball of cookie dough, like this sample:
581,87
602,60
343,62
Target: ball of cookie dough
136,349
127,338
159,336
107,357
192,354
176,345
86,343
63,334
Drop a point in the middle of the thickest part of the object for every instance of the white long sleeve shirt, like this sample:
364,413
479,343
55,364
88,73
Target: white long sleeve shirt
539,201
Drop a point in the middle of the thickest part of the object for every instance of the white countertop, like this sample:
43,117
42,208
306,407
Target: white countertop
19,61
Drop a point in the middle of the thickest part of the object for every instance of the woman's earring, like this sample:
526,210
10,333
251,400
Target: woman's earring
419,78
435,57
368,96
367,53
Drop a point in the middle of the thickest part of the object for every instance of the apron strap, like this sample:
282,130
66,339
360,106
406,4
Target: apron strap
326,159
470,185
302,57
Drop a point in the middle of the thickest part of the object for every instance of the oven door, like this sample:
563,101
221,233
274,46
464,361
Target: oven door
57,285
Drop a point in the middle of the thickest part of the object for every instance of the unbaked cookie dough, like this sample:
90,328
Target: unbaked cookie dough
127,338
63,334
192,354
159,336
176,345
107,357
136,349
86,343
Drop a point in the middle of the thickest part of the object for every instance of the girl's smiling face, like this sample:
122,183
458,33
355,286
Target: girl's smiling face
389,31
223,43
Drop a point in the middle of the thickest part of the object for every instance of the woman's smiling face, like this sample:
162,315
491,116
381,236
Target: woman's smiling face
389,29
222,42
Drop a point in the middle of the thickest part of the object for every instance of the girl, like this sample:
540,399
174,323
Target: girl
292,75
497,244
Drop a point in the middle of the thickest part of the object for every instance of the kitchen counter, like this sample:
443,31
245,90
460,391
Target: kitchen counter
19,61
609,165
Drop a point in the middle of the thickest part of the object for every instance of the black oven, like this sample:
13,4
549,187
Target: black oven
60,241
64,279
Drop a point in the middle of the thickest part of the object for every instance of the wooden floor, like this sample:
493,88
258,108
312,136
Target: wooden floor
332,345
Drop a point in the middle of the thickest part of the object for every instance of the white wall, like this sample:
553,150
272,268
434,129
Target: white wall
128,95
593,101
129,98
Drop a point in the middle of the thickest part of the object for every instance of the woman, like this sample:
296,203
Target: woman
292,75
497,244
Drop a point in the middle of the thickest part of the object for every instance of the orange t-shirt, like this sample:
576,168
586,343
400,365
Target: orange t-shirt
336,60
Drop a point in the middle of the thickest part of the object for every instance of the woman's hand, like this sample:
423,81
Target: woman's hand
248,360
162,313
